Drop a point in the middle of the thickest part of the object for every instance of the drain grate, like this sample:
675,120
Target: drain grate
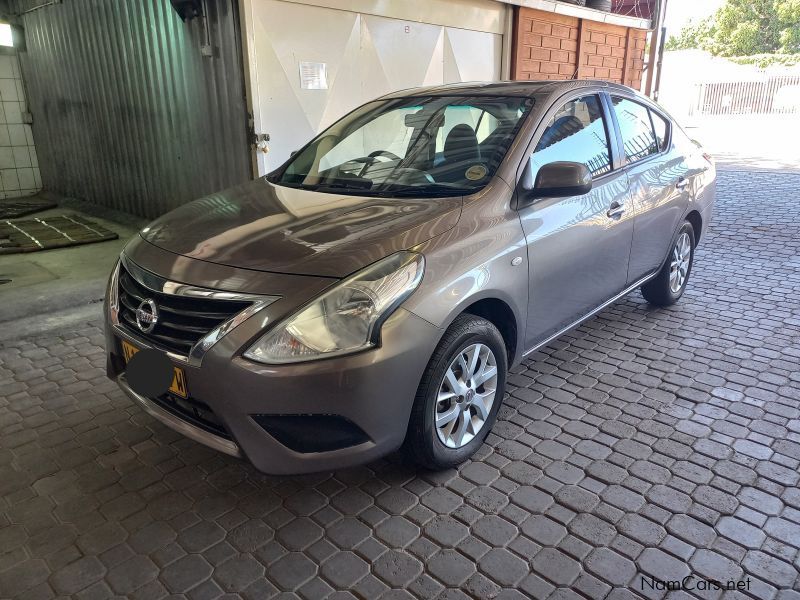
30,235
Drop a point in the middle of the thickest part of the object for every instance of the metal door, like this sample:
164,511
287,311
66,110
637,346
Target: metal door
356,56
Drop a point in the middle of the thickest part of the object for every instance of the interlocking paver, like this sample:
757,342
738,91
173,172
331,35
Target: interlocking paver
238,573
503,566
127,577
647,442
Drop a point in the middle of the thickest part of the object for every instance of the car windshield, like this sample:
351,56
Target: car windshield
410,147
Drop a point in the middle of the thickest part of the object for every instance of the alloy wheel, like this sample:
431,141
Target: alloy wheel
679,267
466,395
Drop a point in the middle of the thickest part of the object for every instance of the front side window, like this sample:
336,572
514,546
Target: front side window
420,146
636,129
576,133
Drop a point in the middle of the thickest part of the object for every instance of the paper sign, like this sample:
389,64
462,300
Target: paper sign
313,75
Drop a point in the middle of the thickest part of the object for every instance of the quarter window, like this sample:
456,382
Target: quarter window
661,128
636,128
577,132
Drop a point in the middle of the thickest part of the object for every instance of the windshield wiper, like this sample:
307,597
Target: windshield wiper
364,185
361,185
433,190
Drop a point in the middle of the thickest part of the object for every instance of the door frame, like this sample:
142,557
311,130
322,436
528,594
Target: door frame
248,58
614,140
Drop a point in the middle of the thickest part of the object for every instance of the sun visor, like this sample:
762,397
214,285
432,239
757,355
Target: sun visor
422,117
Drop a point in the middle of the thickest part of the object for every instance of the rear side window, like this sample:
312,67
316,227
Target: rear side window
577,132
661,127
636,128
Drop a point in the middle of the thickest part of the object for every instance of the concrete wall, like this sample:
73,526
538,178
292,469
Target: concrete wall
555,46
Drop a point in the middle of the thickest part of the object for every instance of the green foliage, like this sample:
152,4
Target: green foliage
693,35
789,15
745,28
768,60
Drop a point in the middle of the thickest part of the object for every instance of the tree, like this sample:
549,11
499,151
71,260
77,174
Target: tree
744,28
693,35
789,15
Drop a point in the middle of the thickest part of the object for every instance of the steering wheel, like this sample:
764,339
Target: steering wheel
383,153
372,158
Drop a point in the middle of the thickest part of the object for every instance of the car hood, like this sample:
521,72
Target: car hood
265,227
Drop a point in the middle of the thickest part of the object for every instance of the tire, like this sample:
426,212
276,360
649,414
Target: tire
426,444
663,290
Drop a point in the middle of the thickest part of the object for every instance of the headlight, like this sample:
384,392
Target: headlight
345,319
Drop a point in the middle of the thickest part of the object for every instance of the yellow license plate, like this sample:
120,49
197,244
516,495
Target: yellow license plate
178,386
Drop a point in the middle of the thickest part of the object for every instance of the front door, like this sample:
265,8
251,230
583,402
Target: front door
578,247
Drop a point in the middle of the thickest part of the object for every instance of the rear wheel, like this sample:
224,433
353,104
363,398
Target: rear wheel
670,283
459,395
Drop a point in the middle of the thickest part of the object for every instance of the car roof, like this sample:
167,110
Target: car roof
505,88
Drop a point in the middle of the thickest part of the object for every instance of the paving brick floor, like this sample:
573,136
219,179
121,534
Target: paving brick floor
647,443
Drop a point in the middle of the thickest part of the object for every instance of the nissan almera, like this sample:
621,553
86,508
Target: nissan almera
372,292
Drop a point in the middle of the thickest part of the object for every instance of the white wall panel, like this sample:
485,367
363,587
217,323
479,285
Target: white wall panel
472,55
366,56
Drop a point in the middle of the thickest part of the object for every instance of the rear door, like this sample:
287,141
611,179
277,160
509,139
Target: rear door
578,247
658,176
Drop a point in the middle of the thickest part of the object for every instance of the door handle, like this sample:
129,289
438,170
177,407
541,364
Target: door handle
615,210
681,183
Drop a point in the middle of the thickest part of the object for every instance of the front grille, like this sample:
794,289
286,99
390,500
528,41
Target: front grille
182,320
193,411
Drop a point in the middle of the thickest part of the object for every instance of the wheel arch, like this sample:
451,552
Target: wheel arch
696,221
498,312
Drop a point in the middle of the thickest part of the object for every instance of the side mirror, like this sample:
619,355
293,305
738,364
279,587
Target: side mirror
557,180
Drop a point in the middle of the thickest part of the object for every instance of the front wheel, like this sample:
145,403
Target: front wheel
459,395
670,283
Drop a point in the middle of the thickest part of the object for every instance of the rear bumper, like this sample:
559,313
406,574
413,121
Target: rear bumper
373,390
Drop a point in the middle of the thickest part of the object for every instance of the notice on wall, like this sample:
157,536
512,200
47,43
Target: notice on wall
313,75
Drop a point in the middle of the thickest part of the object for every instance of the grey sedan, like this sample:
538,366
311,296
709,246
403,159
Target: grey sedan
372,292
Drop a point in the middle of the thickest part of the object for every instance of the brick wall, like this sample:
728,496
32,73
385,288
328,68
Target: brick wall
553,46
546,45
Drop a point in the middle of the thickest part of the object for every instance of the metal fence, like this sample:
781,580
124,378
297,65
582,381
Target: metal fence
777,94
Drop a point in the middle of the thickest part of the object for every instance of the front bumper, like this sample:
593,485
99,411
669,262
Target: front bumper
373,390
178,424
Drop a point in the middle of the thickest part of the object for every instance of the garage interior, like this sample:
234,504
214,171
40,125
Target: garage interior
644,445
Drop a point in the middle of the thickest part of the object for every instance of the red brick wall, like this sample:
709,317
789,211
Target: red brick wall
553,46
634,57
546,45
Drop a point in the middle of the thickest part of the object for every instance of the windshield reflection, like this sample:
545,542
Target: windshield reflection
426,146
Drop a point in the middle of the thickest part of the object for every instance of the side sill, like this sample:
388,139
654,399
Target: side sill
589,315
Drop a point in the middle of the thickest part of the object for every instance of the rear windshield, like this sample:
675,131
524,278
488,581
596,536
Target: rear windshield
421,146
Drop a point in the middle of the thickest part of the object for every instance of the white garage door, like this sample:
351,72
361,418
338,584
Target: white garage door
309,65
